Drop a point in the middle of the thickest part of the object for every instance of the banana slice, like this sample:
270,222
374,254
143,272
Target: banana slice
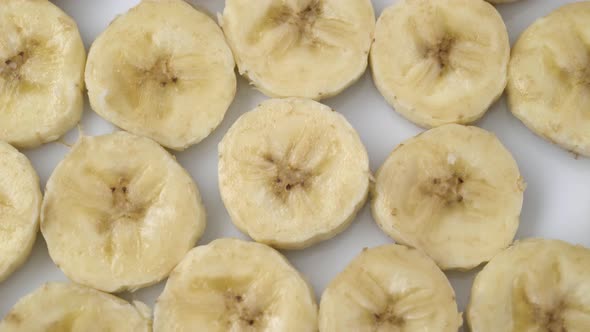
535,285
20,203
42,61
292,173
390,288
162,70
119,213
549,78
300,48
454,192
64,307
233,285
440,62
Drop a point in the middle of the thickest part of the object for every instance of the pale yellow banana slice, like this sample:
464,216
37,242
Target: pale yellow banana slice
390,288
162,70
20,203
233,285
300,48
439,62
292,172
61,307
119,213
549,77
42,61
454,192
536,285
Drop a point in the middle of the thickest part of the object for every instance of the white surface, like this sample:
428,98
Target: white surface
557,199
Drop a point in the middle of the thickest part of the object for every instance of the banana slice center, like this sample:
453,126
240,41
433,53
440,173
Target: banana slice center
124,210
446,189
300,20
122,204
161,72
11,67
585,76
241,313
440,52
287,178
548,316
389,320
542,306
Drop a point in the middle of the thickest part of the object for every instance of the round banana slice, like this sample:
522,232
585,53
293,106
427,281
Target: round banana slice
549,77
162,70
454,192
440,62
233,285
119,213
300,48
64,307
535,285
42,61
390,288
20,203
292,172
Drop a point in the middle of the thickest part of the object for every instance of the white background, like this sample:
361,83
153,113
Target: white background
557,199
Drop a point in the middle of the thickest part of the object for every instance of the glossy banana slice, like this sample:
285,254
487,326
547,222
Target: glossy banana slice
440,62
233,285
20,204
119,213
549,77
162,70
535,285
42,61
300,48
292,172
454,192
61,307
390,288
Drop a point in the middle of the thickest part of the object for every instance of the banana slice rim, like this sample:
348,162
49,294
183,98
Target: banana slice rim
359,266
62,114
13,317
116,280
535,246
522,99
272,87
184,272
187,120
26,169
258,228
425,113
389,214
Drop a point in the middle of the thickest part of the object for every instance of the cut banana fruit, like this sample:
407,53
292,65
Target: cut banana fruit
536,285
292,172
64,307
42,61
440,62
119,213
233,285
549,78
300,48
454,192
20,203
390,288
162,70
